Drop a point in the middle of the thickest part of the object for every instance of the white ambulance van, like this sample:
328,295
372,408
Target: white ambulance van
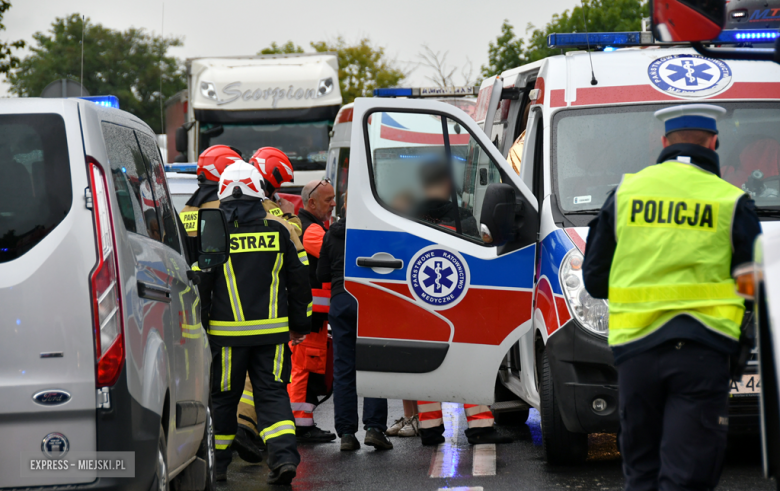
444,311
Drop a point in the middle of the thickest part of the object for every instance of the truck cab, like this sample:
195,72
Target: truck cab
473,274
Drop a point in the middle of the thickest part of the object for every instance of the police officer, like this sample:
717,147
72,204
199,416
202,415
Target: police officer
662,250
259,300
310,358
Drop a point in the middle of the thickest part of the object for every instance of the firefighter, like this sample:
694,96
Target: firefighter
275,168
309,359
259,300
662,249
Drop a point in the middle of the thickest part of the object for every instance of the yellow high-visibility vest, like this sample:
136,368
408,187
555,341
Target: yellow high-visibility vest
673,257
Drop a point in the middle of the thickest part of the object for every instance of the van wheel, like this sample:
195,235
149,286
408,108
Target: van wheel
508,418
561,446
206,452
162,463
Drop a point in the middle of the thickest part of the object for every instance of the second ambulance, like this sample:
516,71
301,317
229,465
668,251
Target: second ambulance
468,269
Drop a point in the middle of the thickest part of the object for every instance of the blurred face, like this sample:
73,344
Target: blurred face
322,201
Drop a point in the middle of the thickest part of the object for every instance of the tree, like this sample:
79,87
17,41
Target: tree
444,75
505,53
7,60
131,65
275,49
362,67
601,15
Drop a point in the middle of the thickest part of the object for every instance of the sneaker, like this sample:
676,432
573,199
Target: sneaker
478,436
349,443
312,434
246,448
411,427
396,427
284,474
376,438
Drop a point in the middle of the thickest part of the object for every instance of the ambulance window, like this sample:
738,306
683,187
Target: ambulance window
131,181
167,218
340,180
413,176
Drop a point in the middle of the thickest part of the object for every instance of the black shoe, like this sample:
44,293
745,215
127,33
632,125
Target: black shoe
246,448
432,436
478,436
220,474
312,434
376,438
284,474
349,443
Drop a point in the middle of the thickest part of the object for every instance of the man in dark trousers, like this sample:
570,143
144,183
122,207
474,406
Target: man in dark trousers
662,250
343,324
259,301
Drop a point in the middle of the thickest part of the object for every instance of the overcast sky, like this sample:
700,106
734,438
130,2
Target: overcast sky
463,28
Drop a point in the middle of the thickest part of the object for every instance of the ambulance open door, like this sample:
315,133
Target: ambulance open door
438,307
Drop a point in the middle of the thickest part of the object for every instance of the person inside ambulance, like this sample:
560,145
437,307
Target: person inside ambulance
436,206
259,300
276,169
309,359
759,160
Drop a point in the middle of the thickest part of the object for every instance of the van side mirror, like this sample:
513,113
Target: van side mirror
181,139
687,20
497,220
212,238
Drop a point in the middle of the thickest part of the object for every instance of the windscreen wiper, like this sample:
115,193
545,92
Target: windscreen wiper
592,211
768,212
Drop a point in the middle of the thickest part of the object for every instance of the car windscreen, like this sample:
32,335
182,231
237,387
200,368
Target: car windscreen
306,144
593,148
35,189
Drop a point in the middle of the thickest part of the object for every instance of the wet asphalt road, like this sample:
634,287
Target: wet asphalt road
518,465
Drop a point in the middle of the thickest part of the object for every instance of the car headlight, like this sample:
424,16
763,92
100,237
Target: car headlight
592,313
325,87
208,90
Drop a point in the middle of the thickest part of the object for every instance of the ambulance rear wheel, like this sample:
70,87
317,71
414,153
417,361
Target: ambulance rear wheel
561,446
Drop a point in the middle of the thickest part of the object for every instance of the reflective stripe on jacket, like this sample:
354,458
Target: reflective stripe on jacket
673,254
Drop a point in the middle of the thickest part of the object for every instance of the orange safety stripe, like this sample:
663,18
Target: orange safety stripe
430,414
478,415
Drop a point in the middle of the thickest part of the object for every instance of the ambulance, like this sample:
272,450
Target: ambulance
445,312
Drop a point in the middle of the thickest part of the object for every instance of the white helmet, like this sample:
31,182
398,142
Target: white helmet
240,180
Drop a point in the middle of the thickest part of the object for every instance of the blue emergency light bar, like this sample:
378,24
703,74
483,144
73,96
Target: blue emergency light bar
748,36
187,168
460,91
103,100
599,39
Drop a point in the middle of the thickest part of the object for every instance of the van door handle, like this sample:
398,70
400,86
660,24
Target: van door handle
372,262
154,292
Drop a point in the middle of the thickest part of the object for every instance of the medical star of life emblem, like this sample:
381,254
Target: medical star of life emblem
689,76
438,277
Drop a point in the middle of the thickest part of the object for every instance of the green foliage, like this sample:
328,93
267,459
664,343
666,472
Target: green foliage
7,60
126,64
602,16
286,48
362,67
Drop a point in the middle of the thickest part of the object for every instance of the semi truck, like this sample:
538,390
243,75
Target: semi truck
285,101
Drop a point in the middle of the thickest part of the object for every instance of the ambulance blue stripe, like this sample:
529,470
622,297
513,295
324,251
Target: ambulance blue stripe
514,270
554,248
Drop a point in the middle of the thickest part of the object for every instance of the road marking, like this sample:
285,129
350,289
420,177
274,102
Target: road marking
444,462
475,488
484,462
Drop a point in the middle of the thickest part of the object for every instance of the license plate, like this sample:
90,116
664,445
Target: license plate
750,385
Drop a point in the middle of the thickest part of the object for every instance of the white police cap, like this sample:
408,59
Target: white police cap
702,117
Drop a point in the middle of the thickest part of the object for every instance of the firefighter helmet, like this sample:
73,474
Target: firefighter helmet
241,180
213,161
273,165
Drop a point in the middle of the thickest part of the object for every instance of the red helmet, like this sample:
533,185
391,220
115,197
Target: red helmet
273,165
213,161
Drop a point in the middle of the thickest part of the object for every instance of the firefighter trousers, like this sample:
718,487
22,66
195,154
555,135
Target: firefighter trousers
478,417
246,409
309,360
268,367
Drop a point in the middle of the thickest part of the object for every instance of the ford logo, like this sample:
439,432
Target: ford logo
51,397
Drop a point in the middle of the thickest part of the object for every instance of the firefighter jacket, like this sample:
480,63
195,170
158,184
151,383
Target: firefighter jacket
204,197
272,208
263,291
313,235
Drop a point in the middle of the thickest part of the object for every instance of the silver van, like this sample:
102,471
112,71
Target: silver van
101,343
